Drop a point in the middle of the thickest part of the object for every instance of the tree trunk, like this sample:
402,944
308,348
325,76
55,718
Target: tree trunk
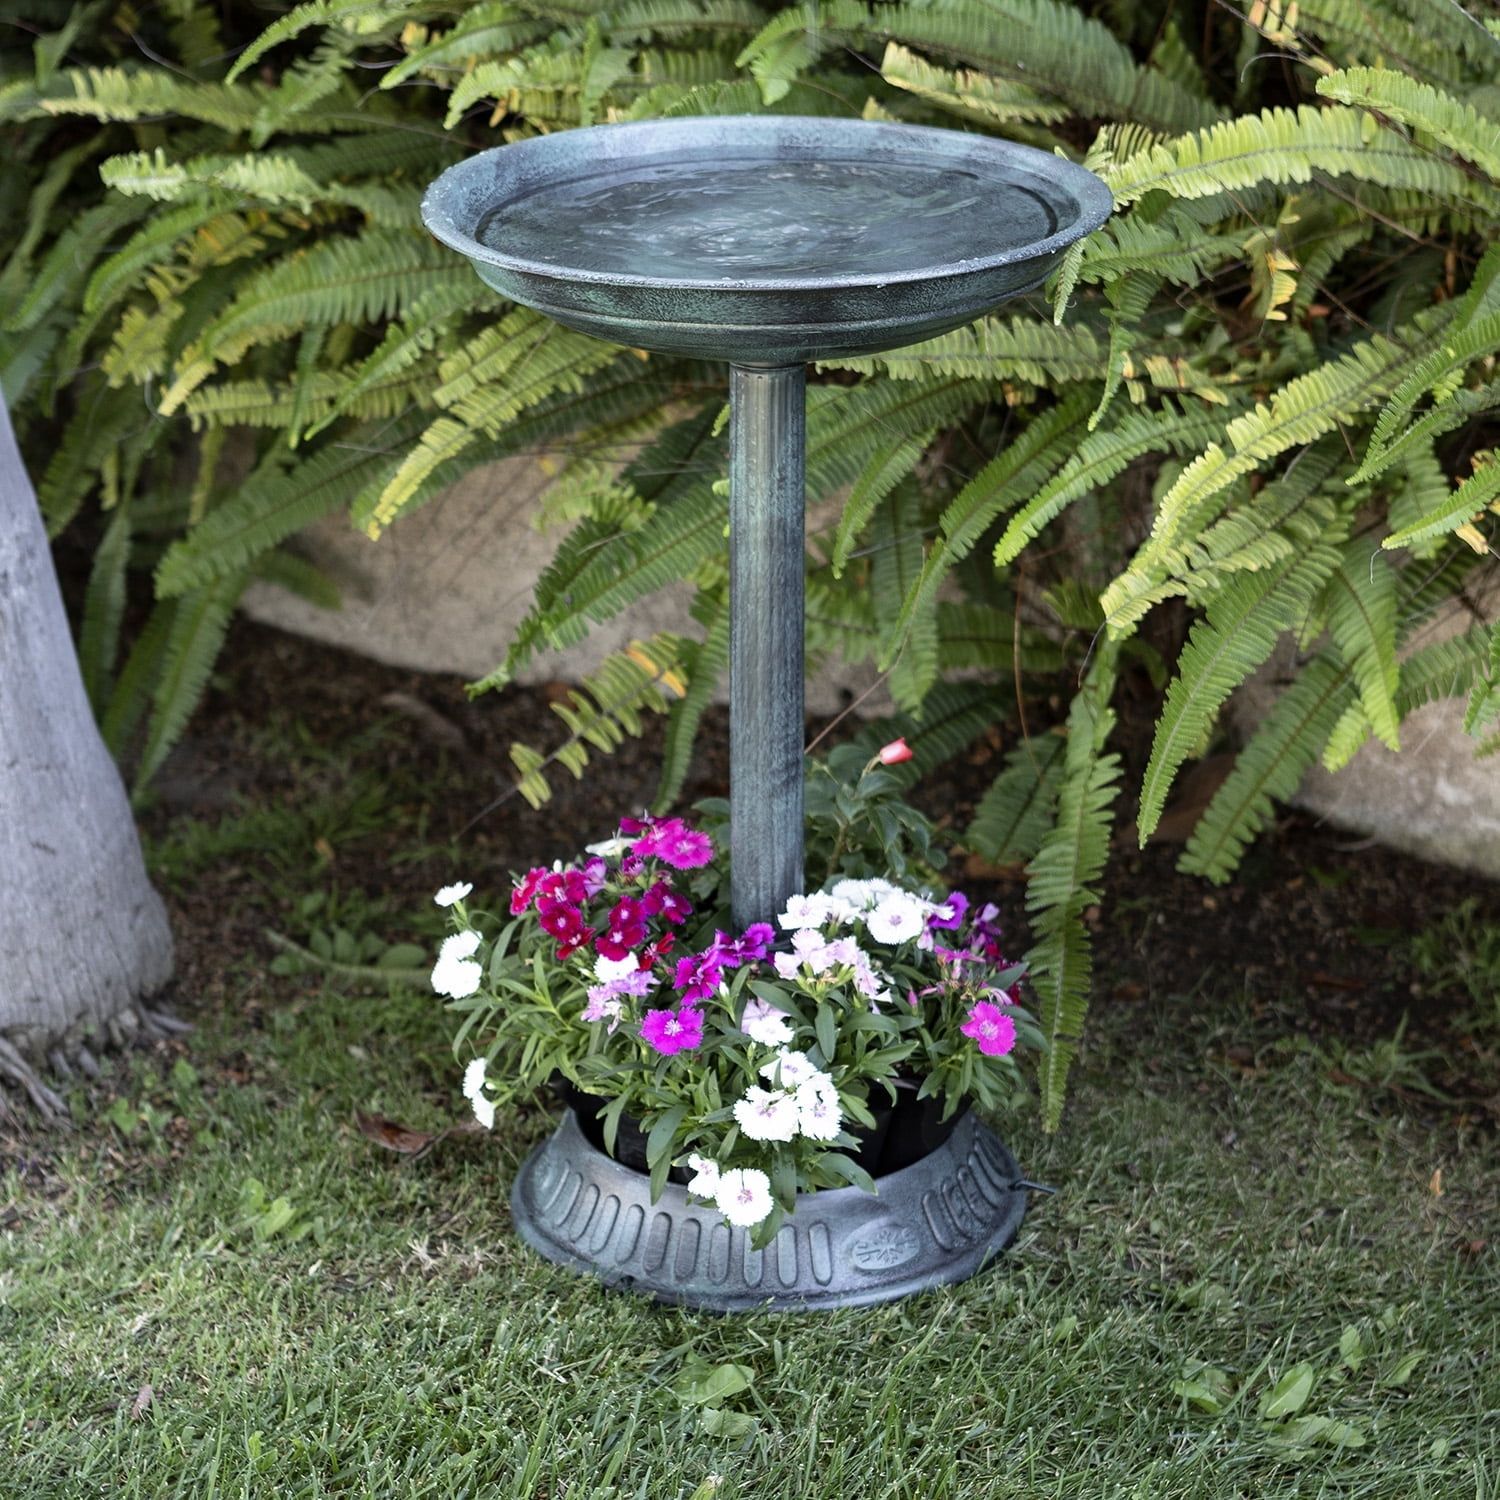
83,936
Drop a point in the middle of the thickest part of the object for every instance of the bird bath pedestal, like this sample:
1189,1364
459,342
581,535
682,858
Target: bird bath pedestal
768,242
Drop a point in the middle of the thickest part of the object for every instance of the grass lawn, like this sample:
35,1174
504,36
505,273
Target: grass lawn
315,1318
1269,1269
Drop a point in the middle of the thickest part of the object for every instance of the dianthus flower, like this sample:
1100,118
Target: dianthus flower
669,1031
453,893
763,1023
743,1196
767,1115
674,843
993,1032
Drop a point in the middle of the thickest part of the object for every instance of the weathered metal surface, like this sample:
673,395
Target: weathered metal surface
937,1221
766,492
828,237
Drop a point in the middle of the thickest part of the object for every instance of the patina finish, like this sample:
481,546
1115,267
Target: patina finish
935,1222
768,242
764,239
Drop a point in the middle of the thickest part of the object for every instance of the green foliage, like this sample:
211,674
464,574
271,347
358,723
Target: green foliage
1265,402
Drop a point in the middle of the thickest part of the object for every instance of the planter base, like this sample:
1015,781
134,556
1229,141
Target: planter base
937,1221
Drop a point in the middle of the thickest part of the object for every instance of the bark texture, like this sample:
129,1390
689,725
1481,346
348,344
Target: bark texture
83,936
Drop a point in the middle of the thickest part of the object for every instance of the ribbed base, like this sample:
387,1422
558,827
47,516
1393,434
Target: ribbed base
937,1221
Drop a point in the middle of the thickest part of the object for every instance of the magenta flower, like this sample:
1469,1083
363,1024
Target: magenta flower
698,976
673,842
958,904
672,906
993,1032
669,1031
625,929
756,942
525,890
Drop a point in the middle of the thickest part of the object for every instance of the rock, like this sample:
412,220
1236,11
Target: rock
1432,799
445,588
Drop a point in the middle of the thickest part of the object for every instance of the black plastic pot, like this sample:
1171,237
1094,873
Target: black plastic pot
904,1131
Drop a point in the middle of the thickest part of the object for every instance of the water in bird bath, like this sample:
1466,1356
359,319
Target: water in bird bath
786,219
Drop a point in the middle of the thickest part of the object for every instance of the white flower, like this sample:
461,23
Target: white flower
705,1180
813,911
484,1111
459,945
451,893
788,965
857,893
767,1115
763,1023
743,1196
609,848
456,977
819,1117
606,969
897,919
794,1068
473,1078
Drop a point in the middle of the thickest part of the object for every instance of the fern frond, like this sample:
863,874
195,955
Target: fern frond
275,501
200,619
896,562
1017,810
1281,146
104,608
703,664
1062,873
1051,47
1362,619
602,712
1017,470
1397,96
1476,494
968,94
1235,636
1299,413
992,349
1269,768
484,31
1098,459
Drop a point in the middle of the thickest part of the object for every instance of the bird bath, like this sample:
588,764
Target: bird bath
768,242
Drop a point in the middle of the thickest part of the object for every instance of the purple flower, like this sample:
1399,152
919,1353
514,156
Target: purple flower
669,1031
958,904
756,942
993,1032
673,842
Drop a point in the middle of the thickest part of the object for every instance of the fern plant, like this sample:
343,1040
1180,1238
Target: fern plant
1264,402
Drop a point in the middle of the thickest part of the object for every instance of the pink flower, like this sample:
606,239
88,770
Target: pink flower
894,753
525,890
669,1031
993,1031
673,842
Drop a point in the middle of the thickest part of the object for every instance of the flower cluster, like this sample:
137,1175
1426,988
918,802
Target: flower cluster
614,972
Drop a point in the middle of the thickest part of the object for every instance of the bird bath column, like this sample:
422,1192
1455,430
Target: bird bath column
767,446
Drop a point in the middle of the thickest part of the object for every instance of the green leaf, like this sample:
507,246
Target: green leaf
1290,1394
701,1384
662,1133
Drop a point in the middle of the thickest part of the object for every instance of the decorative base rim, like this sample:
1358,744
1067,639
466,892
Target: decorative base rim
938,1221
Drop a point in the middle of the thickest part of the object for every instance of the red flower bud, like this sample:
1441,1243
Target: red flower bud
894,753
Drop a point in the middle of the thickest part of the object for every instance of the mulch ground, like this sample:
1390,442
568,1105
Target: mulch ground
1313,933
